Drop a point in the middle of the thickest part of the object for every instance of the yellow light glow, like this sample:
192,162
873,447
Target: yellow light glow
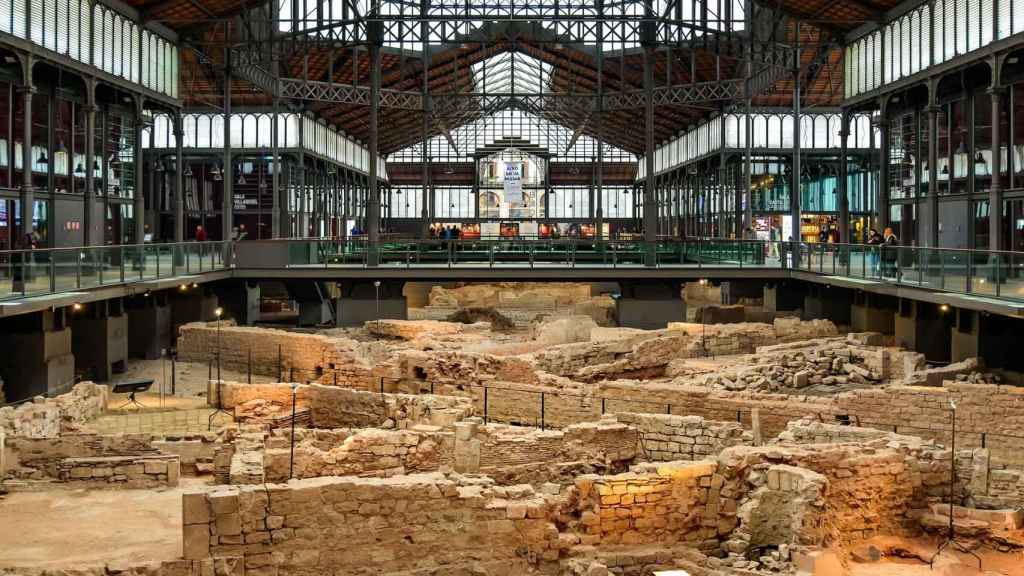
76,306
218,312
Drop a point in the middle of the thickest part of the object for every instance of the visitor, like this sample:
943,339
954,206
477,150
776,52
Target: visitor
875,244
890,254
200,234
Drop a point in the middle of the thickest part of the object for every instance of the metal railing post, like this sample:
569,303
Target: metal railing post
485,404
541,410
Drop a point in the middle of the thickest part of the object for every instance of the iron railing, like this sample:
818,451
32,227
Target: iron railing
25,273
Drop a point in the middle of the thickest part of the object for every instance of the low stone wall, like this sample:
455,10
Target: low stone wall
527,455
336,407
303,357
48,417
380,453
662,505
121,471
41,458
665,438
429,523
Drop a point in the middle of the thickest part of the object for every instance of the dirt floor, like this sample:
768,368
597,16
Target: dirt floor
915,554
189,379
80,528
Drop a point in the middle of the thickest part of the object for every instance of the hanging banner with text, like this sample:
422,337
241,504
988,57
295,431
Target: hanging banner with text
513,184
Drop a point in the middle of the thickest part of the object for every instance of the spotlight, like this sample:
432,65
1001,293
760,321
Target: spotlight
183,287
146,293
77,306
944,308
195,285
218,312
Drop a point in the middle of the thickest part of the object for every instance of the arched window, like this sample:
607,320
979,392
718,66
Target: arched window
249,131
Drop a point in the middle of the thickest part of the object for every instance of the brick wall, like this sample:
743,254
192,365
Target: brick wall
664,437
362,526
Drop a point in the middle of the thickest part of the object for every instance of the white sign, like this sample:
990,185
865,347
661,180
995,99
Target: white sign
528,229
513,183
490,230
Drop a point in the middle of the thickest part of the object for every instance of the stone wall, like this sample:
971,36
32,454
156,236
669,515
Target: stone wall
819,494
345,452
996,411
336,407
664,505
303,357
361,526
47,417
665,438
527,455
121,471
128,460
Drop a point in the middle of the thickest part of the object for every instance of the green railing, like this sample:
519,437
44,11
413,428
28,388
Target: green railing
531,253
25,273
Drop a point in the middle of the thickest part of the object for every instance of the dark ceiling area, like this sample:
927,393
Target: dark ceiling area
209,29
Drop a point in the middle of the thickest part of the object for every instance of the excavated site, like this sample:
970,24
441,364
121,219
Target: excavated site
512,430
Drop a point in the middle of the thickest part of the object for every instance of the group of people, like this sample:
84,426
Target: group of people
449,232
889,258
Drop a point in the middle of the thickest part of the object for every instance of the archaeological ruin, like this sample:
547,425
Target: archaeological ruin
514,429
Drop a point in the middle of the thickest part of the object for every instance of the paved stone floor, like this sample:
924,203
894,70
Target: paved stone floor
174,421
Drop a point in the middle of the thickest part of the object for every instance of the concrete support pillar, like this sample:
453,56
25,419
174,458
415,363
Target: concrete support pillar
783,296
241,301
195,305
965,337
827,303
872,313
649,305
926,328
362,301
733,291
149,325
100,340
37,354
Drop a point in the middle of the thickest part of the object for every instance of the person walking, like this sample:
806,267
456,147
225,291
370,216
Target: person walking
200,234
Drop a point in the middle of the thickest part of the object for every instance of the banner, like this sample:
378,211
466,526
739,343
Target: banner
513,183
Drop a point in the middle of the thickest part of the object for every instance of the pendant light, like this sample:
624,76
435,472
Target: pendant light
241,177
79,169
979,158
42,158
188,171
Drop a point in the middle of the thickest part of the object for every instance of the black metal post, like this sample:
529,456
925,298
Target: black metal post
280,366
291,455
541,410
249,375
485,404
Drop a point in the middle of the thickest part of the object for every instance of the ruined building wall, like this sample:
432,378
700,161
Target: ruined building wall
526,455
362,526
336,407
350,362
344,452
663,505
664,438
48,417
113,461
